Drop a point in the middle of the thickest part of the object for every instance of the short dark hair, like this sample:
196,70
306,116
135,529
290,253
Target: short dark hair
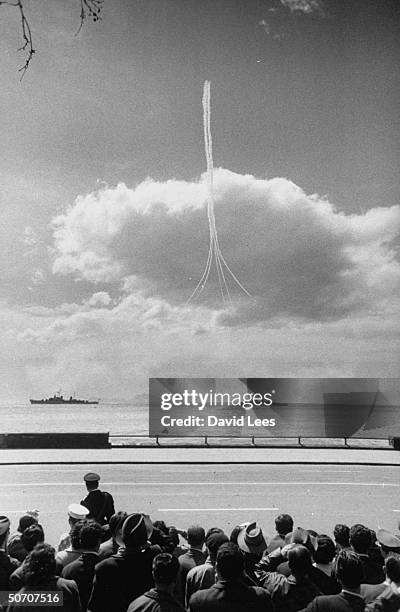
75,534
284,524
40,565
348,569
230,561
90,535
326,549
392,567
299,560
161,526
165,568
116,521
174,535
360,538
26,520
341,534
196,535
31,536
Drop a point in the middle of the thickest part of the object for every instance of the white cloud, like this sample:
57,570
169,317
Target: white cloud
304,6
297,255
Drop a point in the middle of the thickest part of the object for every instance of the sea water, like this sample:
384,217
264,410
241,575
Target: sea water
115,418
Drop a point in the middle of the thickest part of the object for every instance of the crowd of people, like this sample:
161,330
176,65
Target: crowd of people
112,561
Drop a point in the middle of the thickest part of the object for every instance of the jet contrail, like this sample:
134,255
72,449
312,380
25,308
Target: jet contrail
214,251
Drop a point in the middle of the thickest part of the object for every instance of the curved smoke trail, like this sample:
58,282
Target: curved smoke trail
214,250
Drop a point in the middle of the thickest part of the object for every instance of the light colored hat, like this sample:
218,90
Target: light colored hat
77,511
251,539
4,525
388,539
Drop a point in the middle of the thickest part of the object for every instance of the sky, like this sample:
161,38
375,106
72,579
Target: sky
103,216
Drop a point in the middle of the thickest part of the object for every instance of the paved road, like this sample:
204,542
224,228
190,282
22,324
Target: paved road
318,496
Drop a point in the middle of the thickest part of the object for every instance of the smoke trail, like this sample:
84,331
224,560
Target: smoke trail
214,251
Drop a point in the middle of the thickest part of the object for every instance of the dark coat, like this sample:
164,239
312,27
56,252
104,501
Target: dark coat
155,601
7,566
82,571
343,602
373,573
100,505
231,597
122,578
190,559
68,588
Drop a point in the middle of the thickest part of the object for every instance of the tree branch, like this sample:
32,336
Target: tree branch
89,8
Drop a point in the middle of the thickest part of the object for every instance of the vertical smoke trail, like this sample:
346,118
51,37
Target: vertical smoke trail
214,251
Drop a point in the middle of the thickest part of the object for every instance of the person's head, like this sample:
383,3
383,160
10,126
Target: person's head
165,570
214,540
283,524
134,531
75,534
116,521
341,534
90,535
360,539
303,537
325,551
174,536
234,533
4,531
252,543
161,526
25,521
92,481
230,562
40,565
348,569
31,536
299,560
196,536
76,512
392,568
388,542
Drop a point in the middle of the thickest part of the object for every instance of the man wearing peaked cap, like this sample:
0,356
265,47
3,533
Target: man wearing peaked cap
76,512
99,503
388,542
7,563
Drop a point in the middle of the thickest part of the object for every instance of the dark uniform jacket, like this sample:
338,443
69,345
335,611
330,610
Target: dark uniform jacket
122,578
343,602
100,505
231,597
155,601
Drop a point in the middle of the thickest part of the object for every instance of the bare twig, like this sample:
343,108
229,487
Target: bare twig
27,43
89,8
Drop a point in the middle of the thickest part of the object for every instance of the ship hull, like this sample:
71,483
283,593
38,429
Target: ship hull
62,403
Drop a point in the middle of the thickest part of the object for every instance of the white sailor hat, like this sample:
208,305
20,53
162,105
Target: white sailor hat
77,511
